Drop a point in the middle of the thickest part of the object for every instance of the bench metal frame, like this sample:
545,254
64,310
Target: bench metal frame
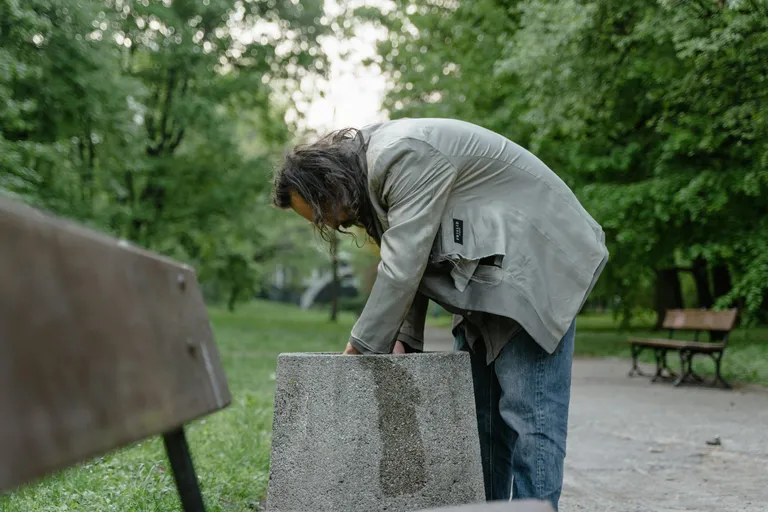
690,320
183,470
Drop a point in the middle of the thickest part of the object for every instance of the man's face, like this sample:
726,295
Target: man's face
335,220
300,206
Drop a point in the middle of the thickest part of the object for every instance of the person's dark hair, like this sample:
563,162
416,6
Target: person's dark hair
330,175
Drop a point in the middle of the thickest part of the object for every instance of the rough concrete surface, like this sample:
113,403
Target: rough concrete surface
373,433
496,506
635,446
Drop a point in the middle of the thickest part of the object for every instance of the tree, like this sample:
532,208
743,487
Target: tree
439,57
66,111
638,104
649,111
130,115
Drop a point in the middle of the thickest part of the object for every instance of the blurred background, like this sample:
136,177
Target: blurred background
161,122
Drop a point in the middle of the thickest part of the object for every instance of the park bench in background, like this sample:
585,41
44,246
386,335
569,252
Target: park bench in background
101,345
721,322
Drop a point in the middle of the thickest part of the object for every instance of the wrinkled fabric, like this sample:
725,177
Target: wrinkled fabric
448,194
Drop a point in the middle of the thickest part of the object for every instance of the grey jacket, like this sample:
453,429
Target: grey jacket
448,194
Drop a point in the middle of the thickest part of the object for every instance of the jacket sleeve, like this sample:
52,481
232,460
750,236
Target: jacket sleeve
417,180
412,331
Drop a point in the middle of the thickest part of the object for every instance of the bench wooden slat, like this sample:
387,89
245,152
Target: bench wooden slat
676,344
100,345
703,320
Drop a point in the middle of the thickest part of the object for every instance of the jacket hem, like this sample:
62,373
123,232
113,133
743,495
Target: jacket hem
363,347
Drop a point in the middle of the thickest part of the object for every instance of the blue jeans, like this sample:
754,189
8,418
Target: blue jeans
522,402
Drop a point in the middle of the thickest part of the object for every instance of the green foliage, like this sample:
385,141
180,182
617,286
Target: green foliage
439,58
651,111
155,120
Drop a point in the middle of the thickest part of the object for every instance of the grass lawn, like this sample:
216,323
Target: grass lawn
231,448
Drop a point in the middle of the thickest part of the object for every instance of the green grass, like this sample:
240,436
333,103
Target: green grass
231,448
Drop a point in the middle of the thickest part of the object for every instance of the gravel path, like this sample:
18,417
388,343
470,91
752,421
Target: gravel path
634,446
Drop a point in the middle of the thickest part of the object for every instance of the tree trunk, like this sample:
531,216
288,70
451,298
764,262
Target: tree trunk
335,285
721,280
721,285
701,277
668,294
234,296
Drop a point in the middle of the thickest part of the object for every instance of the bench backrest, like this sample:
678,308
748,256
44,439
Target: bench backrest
700,320
101,345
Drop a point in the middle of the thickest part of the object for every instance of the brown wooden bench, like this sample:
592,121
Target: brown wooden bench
696,320
101,345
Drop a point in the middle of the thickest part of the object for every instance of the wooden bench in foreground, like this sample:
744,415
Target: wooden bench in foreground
687,320
101,345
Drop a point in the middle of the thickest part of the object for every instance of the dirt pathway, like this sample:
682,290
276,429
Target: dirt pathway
634,446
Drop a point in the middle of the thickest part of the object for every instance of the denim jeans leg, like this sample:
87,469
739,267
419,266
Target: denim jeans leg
496,438
535,395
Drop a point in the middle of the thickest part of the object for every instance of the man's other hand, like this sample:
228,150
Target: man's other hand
399,348
351,350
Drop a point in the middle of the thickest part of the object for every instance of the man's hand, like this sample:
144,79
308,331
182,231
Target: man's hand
351,350
399,348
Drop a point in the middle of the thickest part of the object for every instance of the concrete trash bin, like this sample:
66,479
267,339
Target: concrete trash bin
500,506
375,433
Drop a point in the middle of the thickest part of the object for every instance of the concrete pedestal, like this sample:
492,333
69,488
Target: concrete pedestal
375,433
496,506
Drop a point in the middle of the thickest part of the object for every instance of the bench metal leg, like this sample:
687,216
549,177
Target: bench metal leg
687,373
183,471
636,349
718,376
663,371
659,355
685,367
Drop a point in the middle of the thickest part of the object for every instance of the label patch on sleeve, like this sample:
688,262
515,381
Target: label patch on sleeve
458,231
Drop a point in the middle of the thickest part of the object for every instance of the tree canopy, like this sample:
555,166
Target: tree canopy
652,111
157,121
